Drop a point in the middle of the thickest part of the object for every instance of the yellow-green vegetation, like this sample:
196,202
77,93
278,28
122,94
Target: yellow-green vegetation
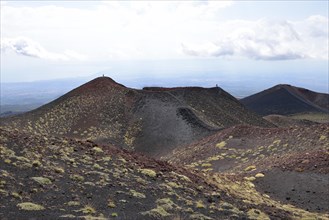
97,166
200,205
206,165
88,209
159,212
29,206
16,195
137,194
73,203
221,145
110,203
125,183
131,133
199,216
59,170
276,142
250,168
107,158
259,175
164,206
123,160
226,205
214,158
97,150
257,215
89,184
129,139
3,192
166,203
6,151
148,172
323,137
41,180
250,178
173,185
141,181
182,177
316,117
23,159
77,177
250,195
250,184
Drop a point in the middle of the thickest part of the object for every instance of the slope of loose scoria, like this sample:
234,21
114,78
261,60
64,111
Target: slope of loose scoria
153,120
60,178
287,99
289,164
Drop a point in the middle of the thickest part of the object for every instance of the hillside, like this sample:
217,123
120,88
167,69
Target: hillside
153,120
60,178
288,121
292,163
285,100
84,156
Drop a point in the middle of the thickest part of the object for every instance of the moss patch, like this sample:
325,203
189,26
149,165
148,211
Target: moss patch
259,175
29,206
250,178
323,137
257,214
200,205
97,150
88,210
158,213
73,203
42,180
137,194
221,145
250,168
148,172
77,177
111,204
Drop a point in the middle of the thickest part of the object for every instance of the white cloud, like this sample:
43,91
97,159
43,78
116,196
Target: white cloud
159,29
317,26
266,40
112,29
27,47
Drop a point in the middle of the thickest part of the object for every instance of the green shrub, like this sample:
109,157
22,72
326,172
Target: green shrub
29,206
221,145
137,194
42,180
148,172
77,177
200,205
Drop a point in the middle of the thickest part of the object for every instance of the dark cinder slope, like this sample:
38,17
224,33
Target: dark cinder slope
288,121
61,178
153,120
287,99
288,164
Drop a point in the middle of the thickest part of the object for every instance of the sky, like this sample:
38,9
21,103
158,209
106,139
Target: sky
280,41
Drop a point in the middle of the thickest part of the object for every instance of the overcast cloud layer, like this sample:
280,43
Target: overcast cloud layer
157,30
267,40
